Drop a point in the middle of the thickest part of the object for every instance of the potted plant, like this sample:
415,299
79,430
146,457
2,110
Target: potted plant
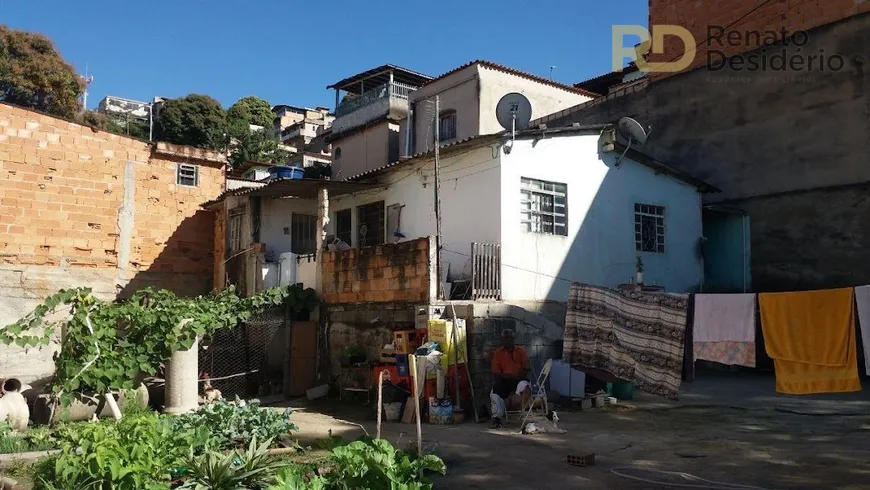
351,355
639,267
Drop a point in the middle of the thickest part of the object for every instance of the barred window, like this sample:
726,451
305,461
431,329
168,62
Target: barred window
371,224
187,175
649,228
543,207
447,126
303,228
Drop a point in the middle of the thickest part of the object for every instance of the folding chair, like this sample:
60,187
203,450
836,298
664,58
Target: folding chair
539,395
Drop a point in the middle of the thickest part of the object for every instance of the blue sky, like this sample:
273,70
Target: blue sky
289,51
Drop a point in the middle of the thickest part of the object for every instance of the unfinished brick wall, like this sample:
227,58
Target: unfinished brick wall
776,15
398,272
80,207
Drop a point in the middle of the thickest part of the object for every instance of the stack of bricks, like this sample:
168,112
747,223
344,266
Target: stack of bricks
398,272
65,190
772,16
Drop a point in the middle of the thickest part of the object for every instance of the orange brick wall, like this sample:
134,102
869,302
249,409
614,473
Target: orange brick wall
220,245
62,188
398,272
697,15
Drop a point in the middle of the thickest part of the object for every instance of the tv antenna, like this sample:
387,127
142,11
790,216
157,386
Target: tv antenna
88,79
552,67
514,111
632,131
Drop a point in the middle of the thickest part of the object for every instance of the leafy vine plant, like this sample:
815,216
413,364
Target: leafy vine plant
109,345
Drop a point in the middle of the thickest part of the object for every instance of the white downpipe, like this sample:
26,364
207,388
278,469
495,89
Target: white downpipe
113,405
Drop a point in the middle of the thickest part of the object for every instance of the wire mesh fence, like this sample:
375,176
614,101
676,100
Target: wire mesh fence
247,361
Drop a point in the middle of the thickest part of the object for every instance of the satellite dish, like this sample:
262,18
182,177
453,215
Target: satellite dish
631,130
514,111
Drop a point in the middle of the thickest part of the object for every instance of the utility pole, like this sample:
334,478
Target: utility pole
437,200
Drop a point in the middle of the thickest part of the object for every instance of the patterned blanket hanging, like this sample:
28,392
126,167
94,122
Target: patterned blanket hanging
634,336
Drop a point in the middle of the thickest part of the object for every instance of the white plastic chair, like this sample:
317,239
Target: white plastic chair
541,395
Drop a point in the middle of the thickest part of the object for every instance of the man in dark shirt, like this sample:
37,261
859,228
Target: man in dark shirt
510,367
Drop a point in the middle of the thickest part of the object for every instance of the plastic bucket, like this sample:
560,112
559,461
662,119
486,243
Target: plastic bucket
392,411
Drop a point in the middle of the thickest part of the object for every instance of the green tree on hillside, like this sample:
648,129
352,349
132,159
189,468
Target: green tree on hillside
261,145
247,111
195,120
34,75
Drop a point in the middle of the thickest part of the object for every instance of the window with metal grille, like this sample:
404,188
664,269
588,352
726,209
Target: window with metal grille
343,226
302,230
447,126
649,228
371,224
543,207
187,174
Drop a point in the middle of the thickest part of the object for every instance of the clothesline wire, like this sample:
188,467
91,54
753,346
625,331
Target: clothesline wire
513,267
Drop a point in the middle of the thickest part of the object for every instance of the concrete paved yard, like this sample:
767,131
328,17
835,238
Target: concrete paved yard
725,428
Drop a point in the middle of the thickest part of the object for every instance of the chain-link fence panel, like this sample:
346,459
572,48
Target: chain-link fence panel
247,361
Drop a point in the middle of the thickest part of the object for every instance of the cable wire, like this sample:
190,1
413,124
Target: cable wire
702,483
569,281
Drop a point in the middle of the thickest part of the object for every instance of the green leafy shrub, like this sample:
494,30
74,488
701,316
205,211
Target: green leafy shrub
237,470
135,452
236,424
34,439
373,464
107,345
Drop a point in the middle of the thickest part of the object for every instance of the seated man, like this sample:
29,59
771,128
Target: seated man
510,368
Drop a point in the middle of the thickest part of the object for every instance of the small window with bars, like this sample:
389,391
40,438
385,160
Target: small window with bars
187,175
543,207
447,126
649,228
302,230
371,224
343,226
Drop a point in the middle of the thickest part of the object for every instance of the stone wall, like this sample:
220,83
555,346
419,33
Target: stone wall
80,207
789,148
397,272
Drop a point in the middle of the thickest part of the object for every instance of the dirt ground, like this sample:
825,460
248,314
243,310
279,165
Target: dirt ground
785,442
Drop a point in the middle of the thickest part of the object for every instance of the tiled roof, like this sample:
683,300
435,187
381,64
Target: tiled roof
519,73
630,88
446,146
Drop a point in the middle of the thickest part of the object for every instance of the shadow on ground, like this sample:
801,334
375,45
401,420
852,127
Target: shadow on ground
724,429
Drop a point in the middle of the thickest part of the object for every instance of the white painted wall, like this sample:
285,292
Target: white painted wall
470,202
473,93
545,99
600,247
277,215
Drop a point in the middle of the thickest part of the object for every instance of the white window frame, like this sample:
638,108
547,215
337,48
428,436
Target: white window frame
534,216
181,168
650,212
444,122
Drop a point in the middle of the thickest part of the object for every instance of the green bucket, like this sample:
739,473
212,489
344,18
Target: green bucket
621,391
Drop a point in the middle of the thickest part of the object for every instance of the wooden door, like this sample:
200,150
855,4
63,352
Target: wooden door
303,357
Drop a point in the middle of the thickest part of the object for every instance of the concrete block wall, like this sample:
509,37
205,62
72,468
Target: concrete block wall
80,207
538,327
397,272
367,326
696,16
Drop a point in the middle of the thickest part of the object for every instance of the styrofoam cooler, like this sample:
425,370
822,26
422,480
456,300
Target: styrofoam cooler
567,381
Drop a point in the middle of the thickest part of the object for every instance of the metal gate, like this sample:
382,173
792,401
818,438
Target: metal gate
486,271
